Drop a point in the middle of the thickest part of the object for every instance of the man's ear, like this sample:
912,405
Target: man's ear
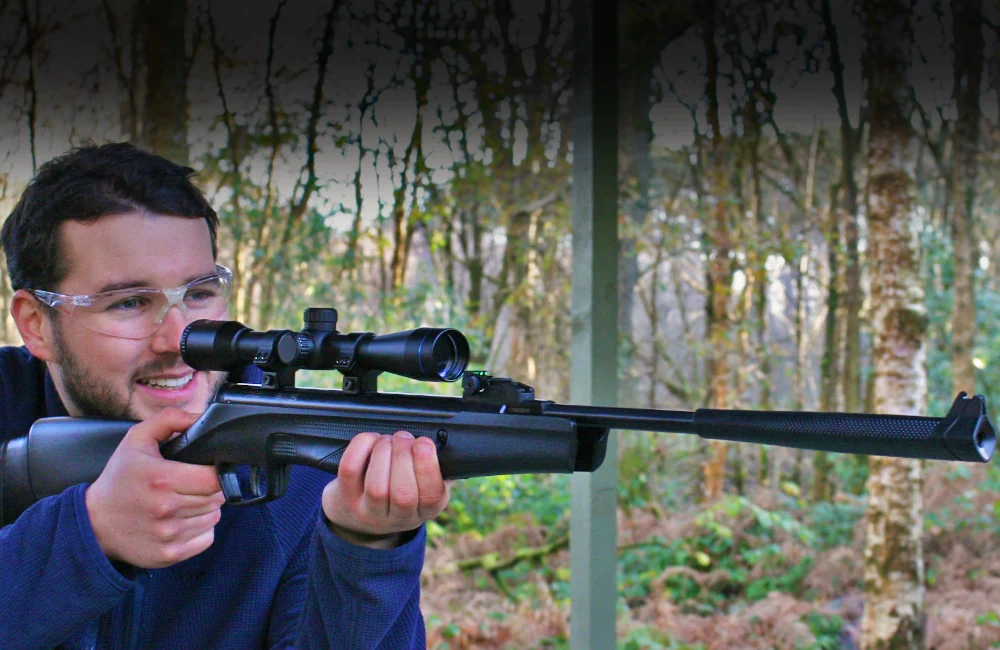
34,323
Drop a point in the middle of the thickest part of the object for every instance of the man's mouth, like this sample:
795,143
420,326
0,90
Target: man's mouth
167,383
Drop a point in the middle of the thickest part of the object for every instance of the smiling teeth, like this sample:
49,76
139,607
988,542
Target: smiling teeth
171,384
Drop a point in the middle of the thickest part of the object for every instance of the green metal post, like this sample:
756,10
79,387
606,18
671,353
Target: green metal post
594,368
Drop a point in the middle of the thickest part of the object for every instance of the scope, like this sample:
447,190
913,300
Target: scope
425,353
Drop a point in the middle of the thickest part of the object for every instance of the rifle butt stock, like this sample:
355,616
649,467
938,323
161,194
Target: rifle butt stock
57,453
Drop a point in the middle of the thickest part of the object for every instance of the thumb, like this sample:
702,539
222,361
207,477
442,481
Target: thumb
161,427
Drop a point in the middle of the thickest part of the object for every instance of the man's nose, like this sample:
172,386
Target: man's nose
168,337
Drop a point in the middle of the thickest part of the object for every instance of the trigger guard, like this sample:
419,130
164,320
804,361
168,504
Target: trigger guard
276,478
255,482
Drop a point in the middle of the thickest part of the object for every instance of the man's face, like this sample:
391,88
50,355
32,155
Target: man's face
100,375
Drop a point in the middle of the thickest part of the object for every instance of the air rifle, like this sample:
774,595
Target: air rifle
496,427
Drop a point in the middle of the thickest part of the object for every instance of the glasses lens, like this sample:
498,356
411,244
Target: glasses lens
130,313
208,297
137,313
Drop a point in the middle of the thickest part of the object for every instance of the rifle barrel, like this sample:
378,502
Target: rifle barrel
608,417
965,434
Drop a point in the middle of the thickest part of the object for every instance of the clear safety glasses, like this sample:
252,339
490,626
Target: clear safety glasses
138,313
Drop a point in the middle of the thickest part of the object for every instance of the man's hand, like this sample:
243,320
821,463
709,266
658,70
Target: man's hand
152,512
386,485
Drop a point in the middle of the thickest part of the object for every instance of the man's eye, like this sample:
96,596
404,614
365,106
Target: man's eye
198,295
127,304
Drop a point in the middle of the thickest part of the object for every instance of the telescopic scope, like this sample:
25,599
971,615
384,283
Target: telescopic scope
425,353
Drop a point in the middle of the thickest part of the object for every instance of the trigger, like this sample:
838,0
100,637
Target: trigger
230,482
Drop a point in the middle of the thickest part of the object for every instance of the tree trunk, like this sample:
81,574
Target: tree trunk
894,568
525,325
653,313
401,217
801,336
719,272
514,265
968,65
848,204
636,135
126,61
31,86
164,114
802,342
758,272
646,31
472,227
350,261
746,365
830,364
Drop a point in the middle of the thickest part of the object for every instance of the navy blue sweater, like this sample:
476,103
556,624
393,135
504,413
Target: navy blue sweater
275,577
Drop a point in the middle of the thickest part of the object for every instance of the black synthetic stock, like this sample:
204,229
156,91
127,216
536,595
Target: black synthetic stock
469,443
60,453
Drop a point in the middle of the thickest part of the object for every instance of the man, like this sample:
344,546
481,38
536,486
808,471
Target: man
112,252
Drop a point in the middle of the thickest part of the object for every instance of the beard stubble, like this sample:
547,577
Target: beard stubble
98,397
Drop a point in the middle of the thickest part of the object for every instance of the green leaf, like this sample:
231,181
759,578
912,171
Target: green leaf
791,489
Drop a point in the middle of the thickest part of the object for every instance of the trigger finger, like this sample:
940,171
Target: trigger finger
190,506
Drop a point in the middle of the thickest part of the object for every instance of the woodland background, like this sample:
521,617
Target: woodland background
409,163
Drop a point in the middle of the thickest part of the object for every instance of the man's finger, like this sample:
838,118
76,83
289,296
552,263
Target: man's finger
192,506
186,478
193,527
194,546
351,474
160,428
432,488
376,499
403,493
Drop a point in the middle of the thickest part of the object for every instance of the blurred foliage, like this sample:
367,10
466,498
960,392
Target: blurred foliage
833,524
826,629
481,505
729,558
938,268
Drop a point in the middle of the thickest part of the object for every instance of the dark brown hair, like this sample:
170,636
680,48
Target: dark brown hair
86,184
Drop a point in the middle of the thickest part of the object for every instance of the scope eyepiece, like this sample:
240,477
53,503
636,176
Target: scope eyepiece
425,353
211,345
